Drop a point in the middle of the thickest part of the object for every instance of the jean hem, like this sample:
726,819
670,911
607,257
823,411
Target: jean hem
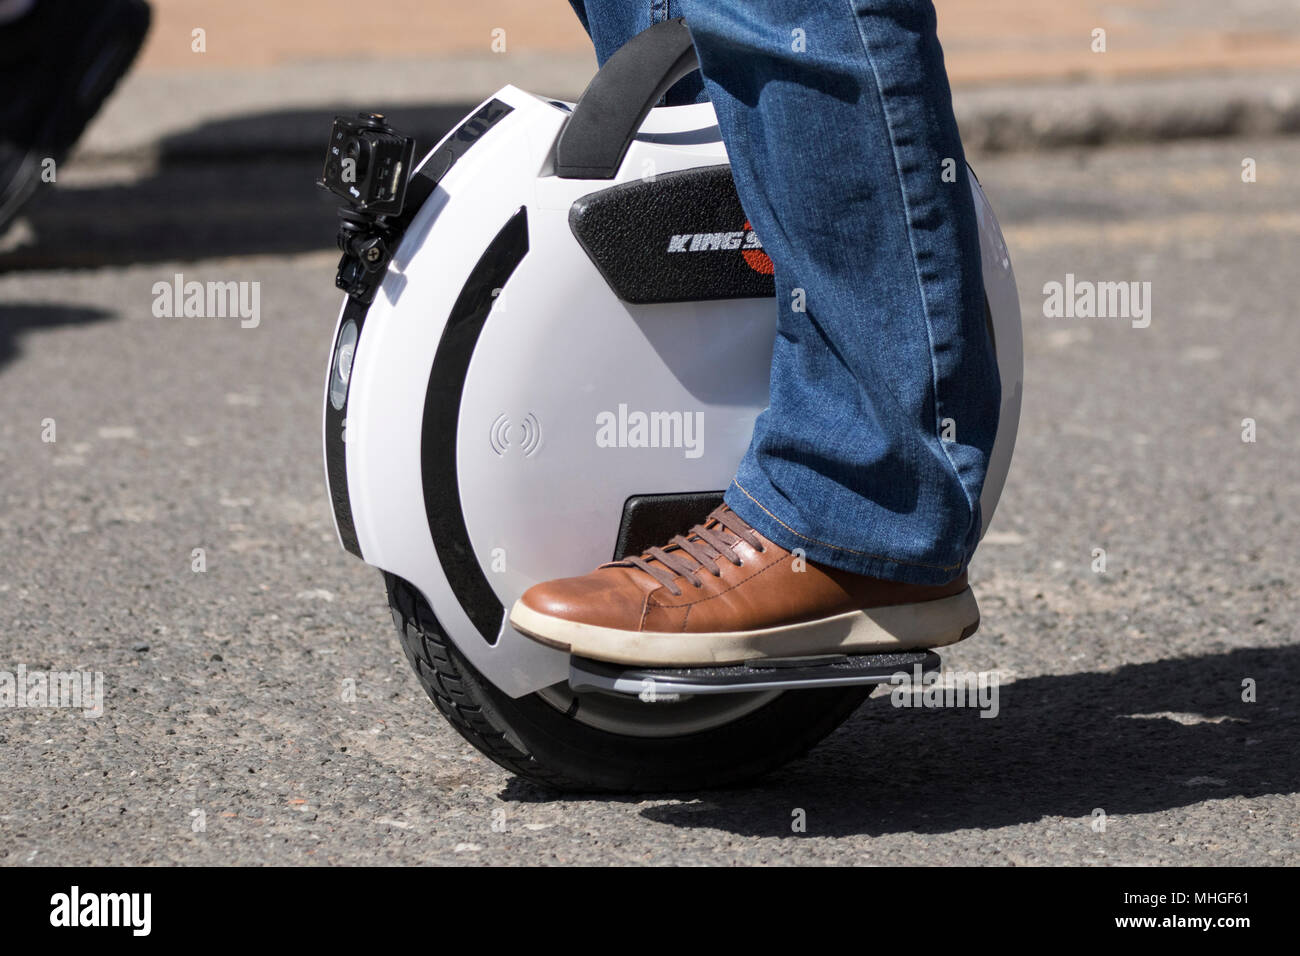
853,560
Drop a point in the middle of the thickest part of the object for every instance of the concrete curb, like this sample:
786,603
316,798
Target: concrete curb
1137,111
284,112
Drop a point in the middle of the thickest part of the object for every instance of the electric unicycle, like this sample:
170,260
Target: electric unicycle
547,268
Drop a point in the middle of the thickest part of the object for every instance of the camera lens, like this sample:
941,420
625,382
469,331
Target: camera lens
358,150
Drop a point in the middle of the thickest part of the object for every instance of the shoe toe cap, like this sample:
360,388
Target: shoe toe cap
601,599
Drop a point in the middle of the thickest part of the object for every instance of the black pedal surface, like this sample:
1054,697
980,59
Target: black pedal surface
769,671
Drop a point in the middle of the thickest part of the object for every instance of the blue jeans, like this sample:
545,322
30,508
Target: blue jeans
838,121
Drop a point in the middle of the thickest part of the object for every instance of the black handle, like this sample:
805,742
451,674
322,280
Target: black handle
616,101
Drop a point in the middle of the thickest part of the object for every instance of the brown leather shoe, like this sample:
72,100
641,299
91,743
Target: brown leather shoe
723,593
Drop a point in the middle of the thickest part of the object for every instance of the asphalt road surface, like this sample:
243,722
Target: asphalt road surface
226,737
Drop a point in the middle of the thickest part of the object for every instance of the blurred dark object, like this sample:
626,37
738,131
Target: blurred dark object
58,63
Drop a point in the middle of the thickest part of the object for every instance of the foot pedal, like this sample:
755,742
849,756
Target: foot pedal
787,673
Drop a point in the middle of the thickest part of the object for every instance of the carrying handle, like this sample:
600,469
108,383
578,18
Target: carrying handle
616,101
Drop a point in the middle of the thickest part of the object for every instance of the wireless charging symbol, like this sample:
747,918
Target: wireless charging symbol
499,435
530,435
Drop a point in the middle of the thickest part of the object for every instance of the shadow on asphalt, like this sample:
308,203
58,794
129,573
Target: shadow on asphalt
1061,746
228,188
16,319
246,186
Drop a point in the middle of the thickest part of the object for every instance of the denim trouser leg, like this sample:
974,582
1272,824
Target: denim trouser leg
884,397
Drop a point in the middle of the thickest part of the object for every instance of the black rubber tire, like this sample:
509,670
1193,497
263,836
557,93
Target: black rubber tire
531,738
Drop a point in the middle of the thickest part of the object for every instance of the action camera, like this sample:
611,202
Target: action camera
368,164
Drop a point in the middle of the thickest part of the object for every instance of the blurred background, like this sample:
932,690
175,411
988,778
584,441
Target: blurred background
1026,76
1168,158
985,39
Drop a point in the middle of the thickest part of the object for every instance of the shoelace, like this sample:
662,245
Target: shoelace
704,543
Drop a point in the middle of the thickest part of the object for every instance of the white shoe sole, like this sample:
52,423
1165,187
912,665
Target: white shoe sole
898,627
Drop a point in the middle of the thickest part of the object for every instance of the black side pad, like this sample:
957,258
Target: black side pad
681,237
651,520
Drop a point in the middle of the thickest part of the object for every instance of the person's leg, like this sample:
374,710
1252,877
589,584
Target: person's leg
884,398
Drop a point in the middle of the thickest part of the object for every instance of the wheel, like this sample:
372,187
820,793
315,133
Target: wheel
611,742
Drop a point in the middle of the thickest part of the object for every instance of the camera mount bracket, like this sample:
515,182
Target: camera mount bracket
367,244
